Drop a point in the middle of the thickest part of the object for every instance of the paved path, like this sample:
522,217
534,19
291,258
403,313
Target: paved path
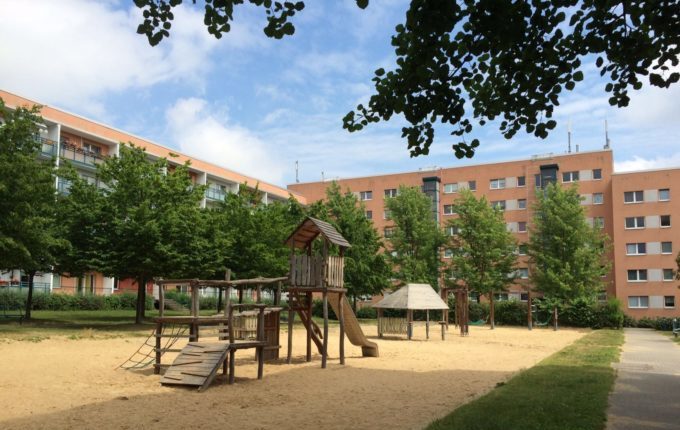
647,390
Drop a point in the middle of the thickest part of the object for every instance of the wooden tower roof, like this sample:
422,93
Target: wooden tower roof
310,228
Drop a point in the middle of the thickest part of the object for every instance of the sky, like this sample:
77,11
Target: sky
257,105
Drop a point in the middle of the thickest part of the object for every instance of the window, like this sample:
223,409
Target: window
523,273
664,195
366,195
448,253
388,231
115,283
387,214
597,173
598,222
472,185
537,180
598,198
523,297
666,247
522,203
501,297
569,176
498,204
522,249
91,148
638,301
668,274
452,230
521,181
669,301
636,248
522,226
637,275
635,222
369,214
449,210
450,188
633,197
391,192
665,220
497,184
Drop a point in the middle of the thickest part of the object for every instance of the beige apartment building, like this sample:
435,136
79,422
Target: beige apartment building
641,280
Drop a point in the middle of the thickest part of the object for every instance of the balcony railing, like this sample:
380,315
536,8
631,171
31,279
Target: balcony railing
217,194
78,155
48,147
63,186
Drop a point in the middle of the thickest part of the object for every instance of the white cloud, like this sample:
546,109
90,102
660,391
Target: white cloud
75,52
640,163
205,133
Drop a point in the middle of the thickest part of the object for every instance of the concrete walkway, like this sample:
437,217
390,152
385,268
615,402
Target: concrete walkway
647,390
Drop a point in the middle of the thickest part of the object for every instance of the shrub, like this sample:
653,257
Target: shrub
580,312
608,315
510,312
66,302
478,311
367,313
317,310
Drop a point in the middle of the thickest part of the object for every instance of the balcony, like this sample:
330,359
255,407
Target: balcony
79,156
63,186
48,148
215,194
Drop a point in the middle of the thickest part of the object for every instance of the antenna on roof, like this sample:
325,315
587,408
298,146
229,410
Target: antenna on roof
569,136
297,178
606,134
322,177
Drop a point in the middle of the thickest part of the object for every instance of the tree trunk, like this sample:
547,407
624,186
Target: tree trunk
29,298
555,326
141,300
354,303
492,313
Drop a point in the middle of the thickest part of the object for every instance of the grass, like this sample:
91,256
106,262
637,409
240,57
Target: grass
568,390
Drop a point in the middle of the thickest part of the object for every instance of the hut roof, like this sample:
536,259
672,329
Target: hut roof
310,229
413,296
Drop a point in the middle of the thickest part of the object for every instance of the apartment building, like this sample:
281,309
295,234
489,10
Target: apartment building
642,280
84,144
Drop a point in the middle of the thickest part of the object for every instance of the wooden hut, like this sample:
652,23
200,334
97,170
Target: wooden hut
311,274
409,297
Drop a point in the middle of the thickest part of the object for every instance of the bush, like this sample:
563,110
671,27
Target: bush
317,310
579,313
510,312
367,313
65,302
608,315
478,311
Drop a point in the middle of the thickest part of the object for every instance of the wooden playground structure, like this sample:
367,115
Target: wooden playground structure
462,313
255,326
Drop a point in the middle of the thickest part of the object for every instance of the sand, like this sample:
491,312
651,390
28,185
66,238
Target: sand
65,383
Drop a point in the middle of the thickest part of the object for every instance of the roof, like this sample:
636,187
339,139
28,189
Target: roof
413,296
310,229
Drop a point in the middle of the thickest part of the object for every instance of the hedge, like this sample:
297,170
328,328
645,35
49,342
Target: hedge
14,300
658,323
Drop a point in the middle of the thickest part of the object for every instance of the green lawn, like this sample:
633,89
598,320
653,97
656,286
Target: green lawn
567,390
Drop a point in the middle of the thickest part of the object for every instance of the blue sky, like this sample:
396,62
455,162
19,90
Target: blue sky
256,105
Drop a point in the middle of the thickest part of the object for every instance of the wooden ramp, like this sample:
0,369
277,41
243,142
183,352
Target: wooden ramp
197,364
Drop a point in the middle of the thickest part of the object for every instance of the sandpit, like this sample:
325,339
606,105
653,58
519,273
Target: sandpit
65,383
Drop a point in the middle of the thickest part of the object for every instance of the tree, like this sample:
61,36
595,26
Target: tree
151,223
366,270
460,63
483,249
29,239
413,246
567,254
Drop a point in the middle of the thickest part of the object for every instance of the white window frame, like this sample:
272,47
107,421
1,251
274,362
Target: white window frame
472,185
635,194
668,193
665,306
595,198
448,253
391,192
523,273
449,209
663,275
451,230
365,195
598,221
524,179
595,178
667,252
638,272
519,227
500,204
519,249
569,177
386,230
497,184
387,214
451,188
368,214
637,226
521,203
661,222
639,302
637,248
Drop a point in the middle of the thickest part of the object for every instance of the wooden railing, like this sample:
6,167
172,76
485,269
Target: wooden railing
308,271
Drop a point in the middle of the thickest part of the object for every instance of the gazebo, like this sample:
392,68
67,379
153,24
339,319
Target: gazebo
410,297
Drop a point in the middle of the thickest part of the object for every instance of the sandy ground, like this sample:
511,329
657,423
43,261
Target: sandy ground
65,383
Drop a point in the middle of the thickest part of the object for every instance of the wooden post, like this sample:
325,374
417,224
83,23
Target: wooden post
260,338
232,352
380,315
341,317
324,353
227,299
159,333
291,316
240,295
492,309
259,294
161,300
309,326
427,324
277,296
530,322
409,331
194,298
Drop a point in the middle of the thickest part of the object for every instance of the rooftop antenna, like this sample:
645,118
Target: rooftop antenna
606,134
297,178
569,136
322,177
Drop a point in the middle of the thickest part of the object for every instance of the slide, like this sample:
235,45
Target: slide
352,327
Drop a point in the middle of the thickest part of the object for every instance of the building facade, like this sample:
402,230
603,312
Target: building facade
642,281
84,144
